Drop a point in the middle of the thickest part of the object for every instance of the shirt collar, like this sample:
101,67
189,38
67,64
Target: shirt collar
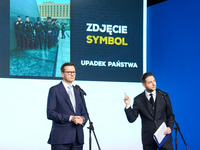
66,85
147,93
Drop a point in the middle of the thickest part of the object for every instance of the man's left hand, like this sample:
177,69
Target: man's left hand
168,131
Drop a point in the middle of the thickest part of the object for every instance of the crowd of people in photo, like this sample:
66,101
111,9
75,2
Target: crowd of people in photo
39,34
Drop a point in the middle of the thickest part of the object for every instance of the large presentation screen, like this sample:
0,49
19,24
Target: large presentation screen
104,39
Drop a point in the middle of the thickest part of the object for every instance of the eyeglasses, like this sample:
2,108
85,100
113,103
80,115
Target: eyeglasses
70,72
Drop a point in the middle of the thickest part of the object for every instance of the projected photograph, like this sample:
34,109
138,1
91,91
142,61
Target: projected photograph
39,37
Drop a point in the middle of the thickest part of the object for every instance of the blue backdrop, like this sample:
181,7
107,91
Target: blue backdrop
173,50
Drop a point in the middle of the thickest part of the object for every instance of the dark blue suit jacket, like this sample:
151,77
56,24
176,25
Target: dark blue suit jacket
59,109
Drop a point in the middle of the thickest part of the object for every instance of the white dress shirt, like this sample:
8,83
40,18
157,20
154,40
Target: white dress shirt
66,88
148,95
72,90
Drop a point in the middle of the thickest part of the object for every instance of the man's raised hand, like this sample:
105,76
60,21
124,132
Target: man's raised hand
127,100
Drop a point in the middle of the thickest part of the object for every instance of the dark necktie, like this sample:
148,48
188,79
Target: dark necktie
151,99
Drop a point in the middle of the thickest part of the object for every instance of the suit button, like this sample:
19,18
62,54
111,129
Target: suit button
154,121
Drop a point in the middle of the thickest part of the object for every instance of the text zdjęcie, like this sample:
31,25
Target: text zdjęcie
106,28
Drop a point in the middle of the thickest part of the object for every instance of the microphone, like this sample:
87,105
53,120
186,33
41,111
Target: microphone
161,92
80,90
164,94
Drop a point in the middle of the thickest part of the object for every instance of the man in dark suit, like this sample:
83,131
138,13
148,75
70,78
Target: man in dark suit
153,110
67,112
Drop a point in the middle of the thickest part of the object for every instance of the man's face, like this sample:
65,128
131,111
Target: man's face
19,19
150,84
49,20
27,19
69,74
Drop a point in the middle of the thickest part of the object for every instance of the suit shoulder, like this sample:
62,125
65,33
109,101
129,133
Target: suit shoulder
139,96
165,93
55,86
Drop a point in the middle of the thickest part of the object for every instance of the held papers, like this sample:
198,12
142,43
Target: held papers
159,136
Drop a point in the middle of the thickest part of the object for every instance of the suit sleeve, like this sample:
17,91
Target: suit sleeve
83,111
51,109
170,116
132,113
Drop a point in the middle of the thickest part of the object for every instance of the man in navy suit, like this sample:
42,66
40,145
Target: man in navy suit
67,112
153,109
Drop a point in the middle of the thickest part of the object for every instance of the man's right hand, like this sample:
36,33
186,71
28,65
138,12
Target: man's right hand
77,119
127,100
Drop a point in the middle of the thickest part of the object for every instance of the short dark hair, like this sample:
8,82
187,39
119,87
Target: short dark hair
66,64
145,75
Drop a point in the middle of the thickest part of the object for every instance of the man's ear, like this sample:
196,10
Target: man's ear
144,85
62,74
